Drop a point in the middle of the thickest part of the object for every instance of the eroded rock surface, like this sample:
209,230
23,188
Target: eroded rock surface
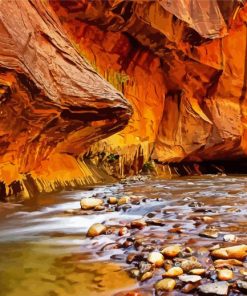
195,92
51,100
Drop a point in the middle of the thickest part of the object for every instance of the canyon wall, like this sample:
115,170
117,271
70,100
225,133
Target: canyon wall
181,65
53,103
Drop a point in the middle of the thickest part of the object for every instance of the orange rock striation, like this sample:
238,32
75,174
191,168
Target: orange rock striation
180,64
185,63
53,105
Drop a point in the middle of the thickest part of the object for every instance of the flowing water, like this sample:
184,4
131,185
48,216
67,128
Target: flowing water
44,250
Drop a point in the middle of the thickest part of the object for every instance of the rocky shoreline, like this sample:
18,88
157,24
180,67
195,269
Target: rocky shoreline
166,259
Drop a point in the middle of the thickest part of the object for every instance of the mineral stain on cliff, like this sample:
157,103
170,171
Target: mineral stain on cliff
167,82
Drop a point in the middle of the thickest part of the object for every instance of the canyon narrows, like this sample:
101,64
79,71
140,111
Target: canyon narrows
123,147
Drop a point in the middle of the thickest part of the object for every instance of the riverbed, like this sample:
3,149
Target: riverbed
44,250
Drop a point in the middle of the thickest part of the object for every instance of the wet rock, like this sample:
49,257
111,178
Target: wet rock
198,271
123,231
190,287
99,208
123,200
96,229
188,265
227,262
156,258
156,222
210,233
135,273
215,247
90,203
144,267
173,272
196,204
168,264
171,251
146,276
236,252
139,223
151,214
229,238
132,257
189,278
207,219
118,257
188,250
138,243
176,230
242,285
135,200
112,200
224,274
217,288
243,272
165,285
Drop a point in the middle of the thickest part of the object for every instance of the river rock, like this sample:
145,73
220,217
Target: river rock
156,258
165,285
229,238
90,203
207,219
139,223
197,271
122,231
156,222
243,272
217,288
242,285
189,278
224,274
171,251
168,264
210,233
96,229
123,200
112,200
190,287
146,276
189,264
173,272
227,262
99,208
135,273
236,252
144,267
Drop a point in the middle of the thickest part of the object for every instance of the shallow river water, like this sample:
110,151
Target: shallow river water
44,250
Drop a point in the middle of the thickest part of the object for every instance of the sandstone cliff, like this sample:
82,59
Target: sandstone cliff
53,104
180,64
184,70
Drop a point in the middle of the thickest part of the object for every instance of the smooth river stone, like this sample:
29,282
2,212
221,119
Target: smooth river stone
217,288
90,203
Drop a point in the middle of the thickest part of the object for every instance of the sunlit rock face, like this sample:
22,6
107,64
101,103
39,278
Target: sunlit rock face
180,64
186,67
53,105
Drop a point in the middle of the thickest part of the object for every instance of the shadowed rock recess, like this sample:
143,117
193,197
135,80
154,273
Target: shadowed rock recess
180,64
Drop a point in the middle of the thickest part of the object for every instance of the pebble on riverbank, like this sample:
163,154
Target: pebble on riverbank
165,285
156,258
224,274
90,203
96,229
236,252
171,251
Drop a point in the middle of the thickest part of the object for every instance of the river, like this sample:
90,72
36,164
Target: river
44,250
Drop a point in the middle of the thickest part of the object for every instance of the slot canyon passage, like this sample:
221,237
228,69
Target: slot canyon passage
123,149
